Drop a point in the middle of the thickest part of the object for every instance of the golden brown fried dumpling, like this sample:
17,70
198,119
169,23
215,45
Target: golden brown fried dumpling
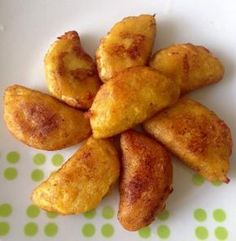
146,180
191,66
196,135
81,183
128,44
42,121
128,99
70,72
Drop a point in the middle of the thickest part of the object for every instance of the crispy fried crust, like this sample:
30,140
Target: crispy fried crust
196,135
81,183
131,97
70,72
128,44
42,121
189,65
146,180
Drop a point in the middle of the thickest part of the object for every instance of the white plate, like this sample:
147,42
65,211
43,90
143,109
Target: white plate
26,30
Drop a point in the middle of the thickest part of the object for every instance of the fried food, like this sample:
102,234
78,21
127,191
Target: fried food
70,72
196,135
81,183
189,65
131,97
42,121
128,44
146,180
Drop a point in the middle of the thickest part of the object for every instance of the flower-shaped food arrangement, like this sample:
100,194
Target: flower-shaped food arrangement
138,89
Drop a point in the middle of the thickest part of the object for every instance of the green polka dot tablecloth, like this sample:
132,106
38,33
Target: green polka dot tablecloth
197,210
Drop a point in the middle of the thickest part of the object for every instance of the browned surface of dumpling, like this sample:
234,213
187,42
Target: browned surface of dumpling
128,44
42,121
81,183
128,99
70,72
146,180
191,66
196,135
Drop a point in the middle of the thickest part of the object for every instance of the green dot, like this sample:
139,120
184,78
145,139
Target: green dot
221,233
50,229
57,160
163,231
10,173
216,183
88,230
30,229
5,210
164,215
4,228
32,211
13,157
144,232
108,212
37,175
200,214
197,180
107,230
201,233
219,215
90,214
51,214
39,159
